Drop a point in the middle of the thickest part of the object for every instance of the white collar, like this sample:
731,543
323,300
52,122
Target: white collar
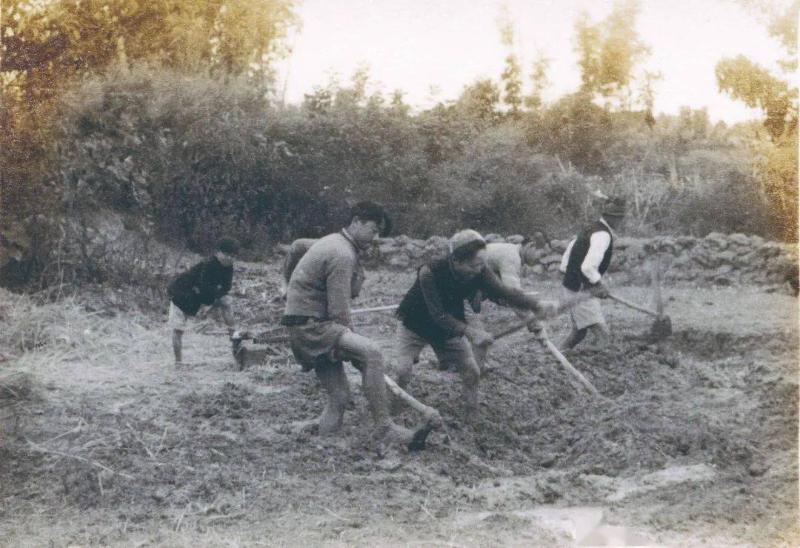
350,239
611,230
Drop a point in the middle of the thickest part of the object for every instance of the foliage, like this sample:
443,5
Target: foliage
609,51
777,96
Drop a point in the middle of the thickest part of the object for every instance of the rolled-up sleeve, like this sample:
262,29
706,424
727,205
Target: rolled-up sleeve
453,326
598,245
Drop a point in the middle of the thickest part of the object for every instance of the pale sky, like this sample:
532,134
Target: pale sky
415,44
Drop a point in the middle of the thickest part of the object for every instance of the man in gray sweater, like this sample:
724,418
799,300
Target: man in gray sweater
317,315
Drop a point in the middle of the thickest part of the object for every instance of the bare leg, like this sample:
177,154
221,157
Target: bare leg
177,344
360,349
227,313
574,338
334,381
601,334
458,354
479,353
409,346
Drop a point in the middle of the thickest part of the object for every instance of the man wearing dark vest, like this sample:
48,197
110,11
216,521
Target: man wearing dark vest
432,313
585,260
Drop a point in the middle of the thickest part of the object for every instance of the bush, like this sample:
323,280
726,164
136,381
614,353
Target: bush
193,158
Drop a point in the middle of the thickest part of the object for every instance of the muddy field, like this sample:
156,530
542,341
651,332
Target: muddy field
693,444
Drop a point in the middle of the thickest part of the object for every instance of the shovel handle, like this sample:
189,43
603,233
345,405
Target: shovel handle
373,309
568,366
407,398
632,305
564,306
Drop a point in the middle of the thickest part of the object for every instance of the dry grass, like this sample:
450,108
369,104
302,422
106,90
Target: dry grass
32,334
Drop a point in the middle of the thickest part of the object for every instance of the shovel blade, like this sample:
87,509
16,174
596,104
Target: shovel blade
240,355
661,328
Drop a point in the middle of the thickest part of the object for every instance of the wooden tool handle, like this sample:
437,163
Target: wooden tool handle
568,366
373,309
408,398
562,307
632,305
431,413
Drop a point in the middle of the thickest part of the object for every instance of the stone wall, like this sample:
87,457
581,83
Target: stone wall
717,259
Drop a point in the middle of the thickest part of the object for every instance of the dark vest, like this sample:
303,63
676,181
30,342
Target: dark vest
574,278
414,313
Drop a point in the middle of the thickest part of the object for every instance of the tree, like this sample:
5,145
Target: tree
777,97
48,46
609,52
512,83
539,82
479,102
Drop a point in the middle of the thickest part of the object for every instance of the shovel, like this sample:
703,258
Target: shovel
562,360
662,326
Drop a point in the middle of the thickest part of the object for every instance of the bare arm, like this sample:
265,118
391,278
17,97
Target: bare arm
514,296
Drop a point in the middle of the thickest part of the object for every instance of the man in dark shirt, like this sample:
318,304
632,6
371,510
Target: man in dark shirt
205,284
432,312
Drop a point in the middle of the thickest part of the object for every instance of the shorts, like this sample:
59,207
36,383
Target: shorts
315,342
452,353
179,320
585,314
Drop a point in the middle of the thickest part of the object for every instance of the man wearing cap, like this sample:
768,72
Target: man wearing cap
506,260
584,263
432,313
205,284
318,318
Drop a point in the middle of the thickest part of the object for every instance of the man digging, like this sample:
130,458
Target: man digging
205,284
318,318
506,260
432,313
583,264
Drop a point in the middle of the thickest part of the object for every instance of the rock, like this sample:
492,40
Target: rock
686,242
717,240
399,261
494,238
550,259
723,280
401,240
727,256
515,239
387,250
436,242
560,246
739,239
769,249
538,269
724,269
416,252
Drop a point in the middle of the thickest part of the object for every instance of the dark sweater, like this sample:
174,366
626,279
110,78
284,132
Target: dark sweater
202,284
574,279
434,306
